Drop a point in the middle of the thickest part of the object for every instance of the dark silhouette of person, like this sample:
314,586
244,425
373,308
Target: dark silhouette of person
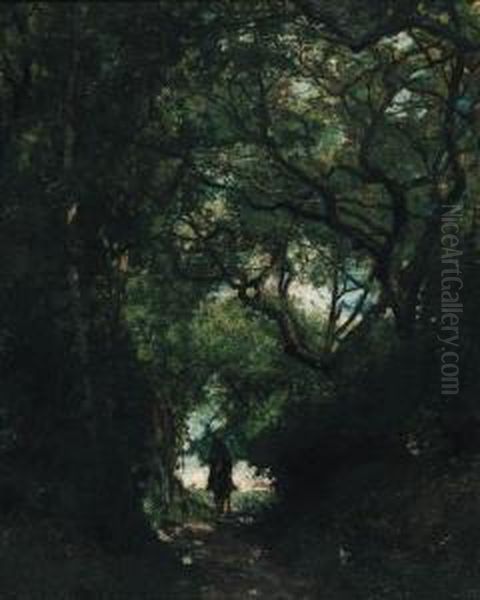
220,481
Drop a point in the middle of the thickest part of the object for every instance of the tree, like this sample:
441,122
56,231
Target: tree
81,95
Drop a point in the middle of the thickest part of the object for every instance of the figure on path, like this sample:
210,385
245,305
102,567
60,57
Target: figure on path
220,481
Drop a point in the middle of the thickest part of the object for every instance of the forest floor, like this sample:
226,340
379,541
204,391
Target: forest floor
226,558
229,563
200,559
376,533
379,531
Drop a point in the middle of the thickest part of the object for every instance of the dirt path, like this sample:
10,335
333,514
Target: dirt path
229,565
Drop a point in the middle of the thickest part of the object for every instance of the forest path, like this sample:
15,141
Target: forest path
231,565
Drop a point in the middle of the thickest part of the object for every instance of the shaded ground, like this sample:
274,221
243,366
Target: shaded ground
45,559
387,531
223,561
199,560
375,533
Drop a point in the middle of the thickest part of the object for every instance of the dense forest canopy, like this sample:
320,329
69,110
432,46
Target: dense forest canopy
236,205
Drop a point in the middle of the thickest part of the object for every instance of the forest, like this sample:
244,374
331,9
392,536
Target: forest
253,219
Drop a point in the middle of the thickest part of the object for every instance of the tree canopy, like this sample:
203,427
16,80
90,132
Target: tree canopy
228,202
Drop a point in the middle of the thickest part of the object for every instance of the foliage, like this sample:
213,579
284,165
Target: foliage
233,208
